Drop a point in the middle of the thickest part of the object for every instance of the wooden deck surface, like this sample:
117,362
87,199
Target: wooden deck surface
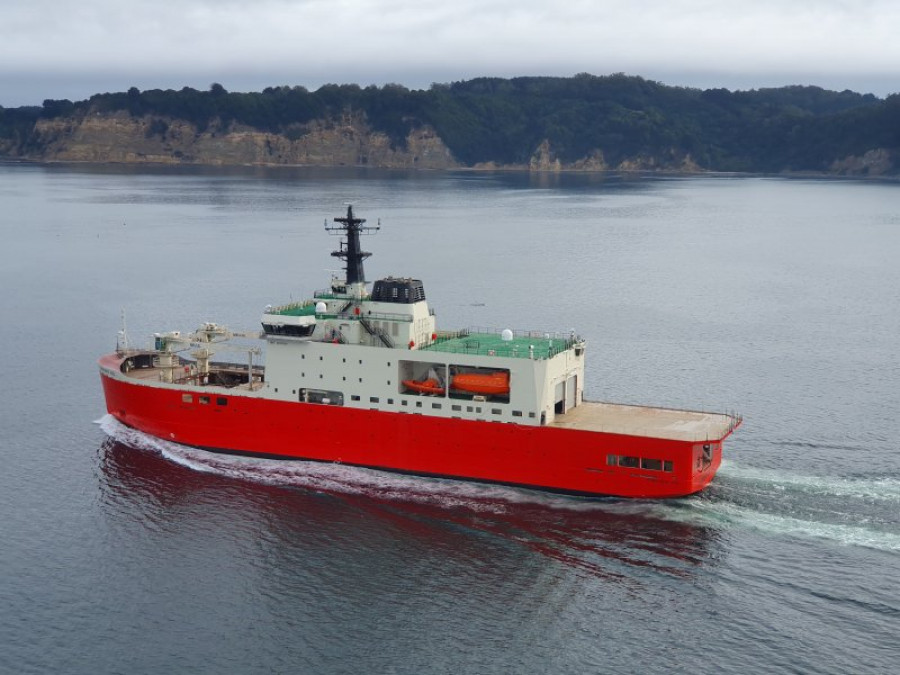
680,425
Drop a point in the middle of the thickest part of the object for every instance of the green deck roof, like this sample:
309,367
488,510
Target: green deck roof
307,308
492,344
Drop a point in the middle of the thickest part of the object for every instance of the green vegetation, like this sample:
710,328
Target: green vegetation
16,125
505,120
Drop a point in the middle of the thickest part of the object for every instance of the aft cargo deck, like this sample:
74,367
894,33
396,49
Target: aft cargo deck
633,420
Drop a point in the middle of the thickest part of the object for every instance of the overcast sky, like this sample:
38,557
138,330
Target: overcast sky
73,49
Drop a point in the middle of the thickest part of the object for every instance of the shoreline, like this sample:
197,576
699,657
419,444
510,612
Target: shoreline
511,169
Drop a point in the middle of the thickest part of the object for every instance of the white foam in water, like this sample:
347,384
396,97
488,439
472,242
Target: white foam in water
886,489
337,478
851,535
859,494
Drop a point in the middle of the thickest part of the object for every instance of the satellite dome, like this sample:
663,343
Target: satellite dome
506,335
321,308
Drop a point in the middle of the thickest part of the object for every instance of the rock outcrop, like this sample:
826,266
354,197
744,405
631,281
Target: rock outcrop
545,159
877,162
122,138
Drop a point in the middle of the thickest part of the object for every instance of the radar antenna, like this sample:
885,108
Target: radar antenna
350,251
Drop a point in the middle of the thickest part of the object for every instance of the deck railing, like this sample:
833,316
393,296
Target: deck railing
308,307
292,308
480,341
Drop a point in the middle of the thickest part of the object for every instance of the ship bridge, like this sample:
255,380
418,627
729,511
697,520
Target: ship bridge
394,315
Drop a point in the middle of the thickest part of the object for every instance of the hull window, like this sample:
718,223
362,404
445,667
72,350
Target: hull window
647,463
321,396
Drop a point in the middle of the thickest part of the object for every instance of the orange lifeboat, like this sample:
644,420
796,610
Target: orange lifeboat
429,386
491,384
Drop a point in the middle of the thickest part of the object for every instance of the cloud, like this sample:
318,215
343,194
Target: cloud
173,42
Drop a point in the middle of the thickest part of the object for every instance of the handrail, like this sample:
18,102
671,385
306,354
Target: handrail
280,309
519,333
376,332
340,314
550,345
382,316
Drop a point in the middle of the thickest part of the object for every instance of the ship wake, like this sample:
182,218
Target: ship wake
341,479
846,511
852,511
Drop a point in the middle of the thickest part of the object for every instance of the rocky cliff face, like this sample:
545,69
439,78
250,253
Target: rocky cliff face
544,159
349,141
122,138
877,162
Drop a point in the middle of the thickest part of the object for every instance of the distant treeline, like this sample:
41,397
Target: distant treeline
799,128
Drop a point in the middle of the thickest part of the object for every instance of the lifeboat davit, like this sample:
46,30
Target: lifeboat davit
429,386
491,384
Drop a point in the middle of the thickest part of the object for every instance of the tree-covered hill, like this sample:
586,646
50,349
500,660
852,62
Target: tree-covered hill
504,121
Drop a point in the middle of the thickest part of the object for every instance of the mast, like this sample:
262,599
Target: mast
350,251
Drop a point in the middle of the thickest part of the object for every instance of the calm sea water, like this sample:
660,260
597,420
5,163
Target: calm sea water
776,298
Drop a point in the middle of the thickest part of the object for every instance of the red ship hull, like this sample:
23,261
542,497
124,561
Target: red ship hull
544,457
